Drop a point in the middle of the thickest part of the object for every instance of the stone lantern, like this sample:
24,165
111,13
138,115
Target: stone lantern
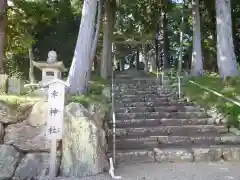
51,69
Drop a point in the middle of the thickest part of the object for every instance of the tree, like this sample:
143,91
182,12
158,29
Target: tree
3,26
95,37
80,68
197,64
25,18
97,31
109,20
226,58
166,40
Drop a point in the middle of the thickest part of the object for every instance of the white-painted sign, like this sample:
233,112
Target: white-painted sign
56,97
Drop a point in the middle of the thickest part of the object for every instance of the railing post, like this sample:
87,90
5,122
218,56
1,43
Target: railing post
113,119
180,52
162,76
179,86
113,109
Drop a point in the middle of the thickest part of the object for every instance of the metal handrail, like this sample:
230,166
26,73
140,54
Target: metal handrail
179,86
205,88
113,119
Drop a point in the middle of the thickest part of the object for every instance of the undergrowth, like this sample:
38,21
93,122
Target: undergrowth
229,88
94,93
93,96
14,101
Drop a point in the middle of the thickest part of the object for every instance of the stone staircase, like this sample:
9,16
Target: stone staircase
152,125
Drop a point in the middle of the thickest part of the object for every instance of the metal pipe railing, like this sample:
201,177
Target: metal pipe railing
179,86
162,77
210,90
113,119
205,88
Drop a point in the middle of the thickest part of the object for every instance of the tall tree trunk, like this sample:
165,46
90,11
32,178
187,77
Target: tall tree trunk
81,63
197,64
157,39
161,38
95,39
31,68
145,57
106,62
226,58
212,56
97,32
166,41
110,53
111,22
180,60
3,26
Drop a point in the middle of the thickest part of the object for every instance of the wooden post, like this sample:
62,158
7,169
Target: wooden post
53,159
56,98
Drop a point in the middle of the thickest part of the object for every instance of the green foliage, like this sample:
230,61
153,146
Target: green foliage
97,80
88,99
229,88
43,25
94,94
14,101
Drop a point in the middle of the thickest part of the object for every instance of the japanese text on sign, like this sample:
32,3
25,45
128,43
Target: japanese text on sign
53,129
56,93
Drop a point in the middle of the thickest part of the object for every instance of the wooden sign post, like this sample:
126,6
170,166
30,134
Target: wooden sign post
56,98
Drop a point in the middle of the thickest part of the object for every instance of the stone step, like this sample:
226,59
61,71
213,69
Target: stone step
175,154
142,83
129,82
152,103
184,130
139,123
136,85
147,95
139,86
154,115
141,92
158,141
159,109
143,99
155,87
149,86
135,95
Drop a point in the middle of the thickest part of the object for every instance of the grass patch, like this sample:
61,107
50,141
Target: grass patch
230,88
14,101
87,100
94,94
